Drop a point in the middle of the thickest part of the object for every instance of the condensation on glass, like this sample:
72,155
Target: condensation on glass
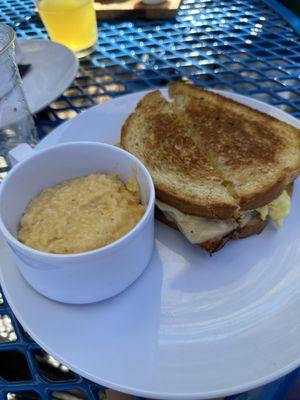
16,122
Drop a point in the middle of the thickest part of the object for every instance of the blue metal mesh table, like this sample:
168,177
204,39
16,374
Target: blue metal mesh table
239,45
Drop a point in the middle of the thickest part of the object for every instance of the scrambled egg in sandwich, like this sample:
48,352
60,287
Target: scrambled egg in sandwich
277,210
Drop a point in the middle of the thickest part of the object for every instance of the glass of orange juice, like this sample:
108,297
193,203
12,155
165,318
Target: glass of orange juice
70,22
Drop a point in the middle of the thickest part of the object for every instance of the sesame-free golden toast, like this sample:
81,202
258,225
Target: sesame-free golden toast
211,156
182,174
255,154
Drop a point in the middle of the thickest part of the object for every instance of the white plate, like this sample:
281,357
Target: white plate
192,326
53,69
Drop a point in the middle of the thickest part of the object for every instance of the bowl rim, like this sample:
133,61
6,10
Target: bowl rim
14,242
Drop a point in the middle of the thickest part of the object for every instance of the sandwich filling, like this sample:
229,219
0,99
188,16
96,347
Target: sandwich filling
199,229
278,209
213,158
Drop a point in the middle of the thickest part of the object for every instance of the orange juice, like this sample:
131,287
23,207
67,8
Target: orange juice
70,22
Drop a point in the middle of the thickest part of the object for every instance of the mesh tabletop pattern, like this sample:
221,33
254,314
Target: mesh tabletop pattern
239,45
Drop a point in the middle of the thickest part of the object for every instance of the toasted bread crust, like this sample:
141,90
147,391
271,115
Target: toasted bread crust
254,227
271,193
169,132
170,150
218,211
192,90
258,151
261,199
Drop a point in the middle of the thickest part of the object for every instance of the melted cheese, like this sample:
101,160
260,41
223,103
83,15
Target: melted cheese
197,229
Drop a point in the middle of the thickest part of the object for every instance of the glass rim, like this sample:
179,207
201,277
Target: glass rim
11,34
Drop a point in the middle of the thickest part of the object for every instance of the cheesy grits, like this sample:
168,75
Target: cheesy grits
81,214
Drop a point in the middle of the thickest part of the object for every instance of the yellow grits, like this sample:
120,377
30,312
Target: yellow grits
81,214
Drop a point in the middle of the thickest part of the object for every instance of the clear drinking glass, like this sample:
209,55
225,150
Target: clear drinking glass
16,122
70,22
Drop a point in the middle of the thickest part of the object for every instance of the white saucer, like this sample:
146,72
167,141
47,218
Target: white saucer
192,326
53,69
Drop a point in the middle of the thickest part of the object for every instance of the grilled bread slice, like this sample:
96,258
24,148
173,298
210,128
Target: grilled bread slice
255,154
182,173
212,157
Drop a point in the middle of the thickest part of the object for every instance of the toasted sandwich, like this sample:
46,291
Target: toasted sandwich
221,169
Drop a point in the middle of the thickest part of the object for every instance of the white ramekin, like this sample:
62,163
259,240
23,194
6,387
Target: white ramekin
83,277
